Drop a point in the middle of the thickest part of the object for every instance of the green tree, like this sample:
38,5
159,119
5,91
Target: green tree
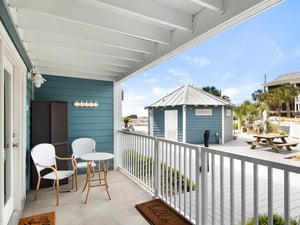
248,112
275,97
289,92
258,95
213,90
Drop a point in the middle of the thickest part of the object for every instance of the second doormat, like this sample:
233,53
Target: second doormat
41,219
157,212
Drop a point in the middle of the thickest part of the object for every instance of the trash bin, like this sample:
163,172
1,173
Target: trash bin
206,137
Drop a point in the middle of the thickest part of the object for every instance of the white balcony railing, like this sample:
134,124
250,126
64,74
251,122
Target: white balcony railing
232,188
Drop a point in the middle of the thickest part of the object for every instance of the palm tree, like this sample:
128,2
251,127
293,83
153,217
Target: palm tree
257,95
248,111
275,98
289,92
213,90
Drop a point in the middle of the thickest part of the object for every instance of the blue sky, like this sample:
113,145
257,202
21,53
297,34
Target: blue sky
235,61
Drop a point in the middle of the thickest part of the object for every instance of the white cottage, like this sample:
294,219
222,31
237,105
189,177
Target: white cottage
185,115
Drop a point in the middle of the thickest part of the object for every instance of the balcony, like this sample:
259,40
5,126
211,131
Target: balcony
233,184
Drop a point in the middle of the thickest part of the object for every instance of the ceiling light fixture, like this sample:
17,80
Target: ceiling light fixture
36,78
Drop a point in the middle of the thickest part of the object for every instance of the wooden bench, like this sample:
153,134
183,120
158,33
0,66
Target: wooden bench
251,142
293,144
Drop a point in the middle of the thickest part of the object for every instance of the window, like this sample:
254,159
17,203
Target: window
203,112
228,112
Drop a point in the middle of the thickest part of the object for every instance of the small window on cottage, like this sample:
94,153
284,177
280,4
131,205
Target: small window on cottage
228,112
203,112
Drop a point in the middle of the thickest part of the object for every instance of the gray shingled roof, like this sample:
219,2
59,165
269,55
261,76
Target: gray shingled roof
189,95
289,78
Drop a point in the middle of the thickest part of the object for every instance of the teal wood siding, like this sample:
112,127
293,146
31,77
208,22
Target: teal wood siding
159,121
179,110
228,123
197,124
96,123
28,132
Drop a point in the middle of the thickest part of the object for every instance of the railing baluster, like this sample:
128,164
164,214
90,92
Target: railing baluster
232,192
222,222
157,169
255,193
270,195
243,193
286,197
213,190
204,187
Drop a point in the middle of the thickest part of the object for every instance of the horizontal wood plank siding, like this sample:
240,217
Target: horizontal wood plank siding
197,124
158,122
96,123
179,110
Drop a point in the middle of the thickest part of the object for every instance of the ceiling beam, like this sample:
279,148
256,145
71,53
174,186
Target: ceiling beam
79,68
56,51
215,5
31,20
149,10
40,37
74,61
85,14
74,73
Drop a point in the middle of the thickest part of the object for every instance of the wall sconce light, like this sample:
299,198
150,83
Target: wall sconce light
92,104
36,78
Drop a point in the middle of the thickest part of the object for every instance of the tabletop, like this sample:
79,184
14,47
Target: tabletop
96,156
266,136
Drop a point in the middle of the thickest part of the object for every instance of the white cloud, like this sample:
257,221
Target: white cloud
230,92
134,103
156,91
181,76
151,80
197,61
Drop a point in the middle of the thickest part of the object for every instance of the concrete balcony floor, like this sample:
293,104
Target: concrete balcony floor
120,210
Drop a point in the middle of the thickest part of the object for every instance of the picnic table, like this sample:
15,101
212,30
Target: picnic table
275,141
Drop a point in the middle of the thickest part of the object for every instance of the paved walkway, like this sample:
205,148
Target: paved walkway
241,147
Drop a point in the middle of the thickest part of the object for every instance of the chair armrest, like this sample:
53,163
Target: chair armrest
68,159
47,167
63,158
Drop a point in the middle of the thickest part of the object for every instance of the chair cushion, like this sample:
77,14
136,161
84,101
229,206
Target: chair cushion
62,174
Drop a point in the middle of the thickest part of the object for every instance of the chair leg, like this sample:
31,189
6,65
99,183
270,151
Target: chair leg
76,180
57,191
37,189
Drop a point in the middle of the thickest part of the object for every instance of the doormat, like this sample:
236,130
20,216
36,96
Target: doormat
40,219
157,212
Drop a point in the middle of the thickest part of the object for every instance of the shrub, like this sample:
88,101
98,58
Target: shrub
277,220
282,132
235,126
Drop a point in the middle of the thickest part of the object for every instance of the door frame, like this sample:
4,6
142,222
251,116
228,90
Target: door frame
9,52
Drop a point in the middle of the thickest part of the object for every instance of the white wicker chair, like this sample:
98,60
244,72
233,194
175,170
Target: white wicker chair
81,146
43,156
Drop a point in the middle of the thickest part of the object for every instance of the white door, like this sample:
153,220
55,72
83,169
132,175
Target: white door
171,124
8,153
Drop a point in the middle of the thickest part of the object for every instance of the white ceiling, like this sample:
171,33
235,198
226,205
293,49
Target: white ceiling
117,39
